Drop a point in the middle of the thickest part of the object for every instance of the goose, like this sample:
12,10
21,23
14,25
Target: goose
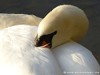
60,31
8,20
19,56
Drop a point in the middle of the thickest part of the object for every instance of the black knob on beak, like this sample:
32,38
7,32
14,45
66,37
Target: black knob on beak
45,40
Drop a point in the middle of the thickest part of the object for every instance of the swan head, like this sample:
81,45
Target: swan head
62,24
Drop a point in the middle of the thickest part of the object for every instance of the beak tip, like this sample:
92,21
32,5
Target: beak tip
35,43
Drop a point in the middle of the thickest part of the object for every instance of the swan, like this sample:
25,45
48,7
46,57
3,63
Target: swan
7,20
60,31
19,56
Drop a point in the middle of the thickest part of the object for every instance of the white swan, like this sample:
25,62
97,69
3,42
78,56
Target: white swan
7,20
19,56
57,30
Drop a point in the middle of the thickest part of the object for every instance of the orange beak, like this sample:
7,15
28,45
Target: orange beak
45,44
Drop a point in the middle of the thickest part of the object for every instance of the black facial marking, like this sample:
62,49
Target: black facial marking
45,38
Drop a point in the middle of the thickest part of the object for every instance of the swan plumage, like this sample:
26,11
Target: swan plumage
7,20
75,59
19,56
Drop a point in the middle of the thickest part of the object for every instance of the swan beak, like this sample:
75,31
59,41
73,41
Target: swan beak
45,40
41,42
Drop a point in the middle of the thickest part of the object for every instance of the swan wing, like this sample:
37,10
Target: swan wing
19,56
76,59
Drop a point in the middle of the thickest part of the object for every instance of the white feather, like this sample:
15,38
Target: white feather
75,59
19,56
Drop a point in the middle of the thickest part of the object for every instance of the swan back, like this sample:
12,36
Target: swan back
75,59
7,20
19,56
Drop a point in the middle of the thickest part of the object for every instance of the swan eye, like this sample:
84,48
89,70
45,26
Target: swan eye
45,40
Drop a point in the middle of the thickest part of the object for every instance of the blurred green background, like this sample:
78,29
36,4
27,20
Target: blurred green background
42,7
